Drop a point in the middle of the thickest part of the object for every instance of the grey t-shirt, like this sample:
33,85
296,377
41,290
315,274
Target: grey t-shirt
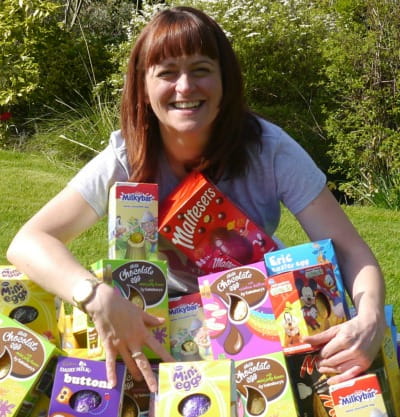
281,171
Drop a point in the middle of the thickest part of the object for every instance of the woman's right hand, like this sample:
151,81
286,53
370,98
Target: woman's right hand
124,330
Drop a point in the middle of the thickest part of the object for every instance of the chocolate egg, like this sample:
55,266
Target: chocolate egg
24,314
85,401
194,405
232,244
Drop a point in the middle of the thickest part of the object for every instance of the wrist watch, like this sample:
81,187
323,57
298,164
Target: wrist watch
83,291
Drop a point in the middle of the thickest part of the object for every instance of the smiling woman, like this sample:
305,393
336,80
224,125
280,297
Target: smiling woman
183,109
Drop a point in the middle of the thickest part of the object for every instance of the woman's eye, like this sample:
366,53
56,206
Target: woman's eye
165,73
201,71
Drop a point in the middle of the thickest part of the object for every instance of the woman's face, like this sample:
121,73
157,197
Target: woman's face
185,94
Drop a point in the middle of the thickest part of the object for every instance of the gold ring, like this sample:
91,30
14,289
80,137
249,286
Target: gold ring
135,355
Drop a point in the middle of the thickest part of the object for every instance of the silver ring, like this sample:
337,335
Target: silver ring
135,355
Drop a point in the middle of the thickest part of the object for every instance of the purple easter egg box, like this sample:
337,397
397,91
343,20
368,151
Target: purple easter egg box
81,388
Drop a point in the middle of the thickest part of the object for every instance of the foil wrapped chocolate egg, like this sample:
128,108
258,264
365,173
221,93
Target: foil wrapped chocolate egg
232,244
194,405
85,401
24,314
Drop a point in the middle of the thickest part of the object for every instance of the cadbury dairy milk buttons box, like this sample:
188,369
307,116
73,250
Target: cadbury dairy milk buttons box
81,388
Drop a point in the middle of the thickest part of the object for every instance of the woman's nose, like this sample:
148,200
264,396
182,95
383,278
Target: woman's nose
184,83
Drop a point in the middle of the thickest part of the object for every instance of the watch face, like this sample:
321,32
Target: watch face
83,291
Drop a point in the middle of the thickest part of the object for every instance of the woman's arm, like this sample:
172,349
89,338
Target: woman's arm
39,250
350,347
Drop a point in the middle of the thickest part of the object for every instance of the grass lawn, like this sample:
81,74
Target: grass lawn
28,181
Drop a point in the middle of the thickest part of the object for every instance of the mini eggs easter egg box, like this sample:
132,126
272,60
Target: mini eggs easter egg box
189,336
25,301
81,388
304,255
199,388
264,387
25,357
199,220
238,313
133,221
305,301
142,282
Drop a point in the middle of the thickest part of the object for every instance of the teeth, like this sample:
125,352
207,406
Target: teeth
187,104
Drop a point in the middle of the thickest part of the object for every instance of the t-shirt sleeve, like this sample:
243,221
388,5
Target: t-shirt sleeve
93,181
299,180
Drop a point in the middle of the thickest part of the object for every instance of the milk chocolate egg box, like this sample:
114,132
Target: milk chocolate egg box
144,283
209,228
306,255
194,389
305,302
190,340
25,367
264,387
81,388
133,221
25,301
238,313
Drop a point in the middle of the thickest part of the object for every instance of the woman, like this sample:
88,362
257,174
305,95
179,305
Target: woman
183,109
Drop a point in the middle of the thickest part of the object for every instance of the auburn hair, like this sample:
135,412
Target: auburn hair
176,32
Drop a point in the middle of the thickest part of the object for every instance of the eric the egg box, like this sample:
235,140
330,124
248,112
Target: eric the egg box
209,229
303,302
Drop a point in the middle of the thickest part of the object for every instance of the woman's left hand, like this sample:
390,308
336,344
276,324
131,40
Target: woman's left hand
348,349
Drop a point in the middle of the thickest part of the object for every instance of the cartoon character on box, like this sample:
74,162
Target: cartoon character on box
149,225
292,331
307,296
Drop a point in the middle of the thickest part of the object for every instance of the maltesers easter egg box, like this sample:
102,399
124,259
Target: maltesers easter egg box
203,223
238,313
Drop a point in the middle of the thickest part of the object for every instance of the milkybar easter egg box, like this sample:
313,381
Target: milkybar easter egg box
264,387
25,301
144,283
190,340
305,301
361,397
238,312
209,229
24,359
199,388
133,221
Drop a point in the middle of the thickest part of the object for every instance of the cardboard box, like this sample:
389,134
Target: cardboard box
205,388
264,387
209,229
25,357
310,386
25,301
133,221
136,402
361,397
305,301
189,336
81,388
238,313
143,283
304,255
